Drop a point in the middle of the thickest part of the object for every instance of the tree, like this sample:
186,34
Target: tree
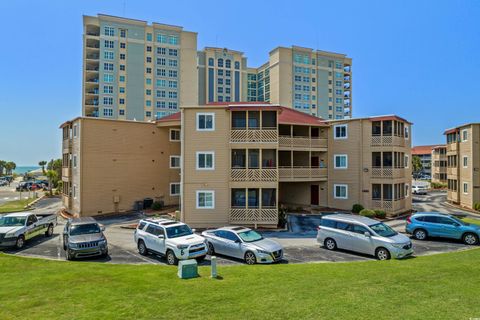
9,167
416,165
55,165
2,166
52,176
42,164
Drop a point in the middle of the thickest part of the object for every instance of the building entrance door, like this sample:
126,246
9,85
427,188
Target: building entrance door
314,198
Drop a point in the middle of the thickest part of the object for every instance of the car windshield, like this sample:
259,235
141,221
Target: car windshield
179,231
459,221
383,230
250,236
12,221
77,230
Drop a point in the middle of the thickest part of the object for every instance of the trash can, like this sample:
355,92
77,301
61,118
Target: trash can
147,203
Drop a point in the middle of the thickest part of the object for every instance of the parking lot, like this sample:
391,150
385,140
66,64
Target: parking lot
299,247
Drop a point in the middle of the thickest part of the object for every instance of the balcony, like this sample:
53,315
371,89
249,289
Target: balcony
91,69
66,173
92,56
66,145
301,142
452,171
387,173
287,174
264,135
93,91
254,216
391,207
388,141
249,174
91,102
92,80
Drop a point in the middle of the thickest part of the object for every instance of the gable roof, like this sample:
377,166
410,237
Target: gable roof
423,149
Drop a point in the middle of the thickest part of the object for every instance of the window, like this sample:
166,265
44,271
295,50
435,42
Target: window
148,103
121,89
148,114
340,191
172,105
407,190
407,161
108,101
74,130
205,160
161,38
160,104
205,199
340,131
161,72
465,188
108,44
149,48
122,45
172,84
174,189
220,62
172,94
109,31
121,101
74,161
464,135
122,56
149,37
148,70
107,77
172,52
237,65
341,161
123,33
174,135
161,51
108,112
210,62
108,55
172,63
173,40
174,162
149,59
160,93
161,83
172,73
74,191
465,161
121,112
108,66
161,61
107,89
205,121
122,67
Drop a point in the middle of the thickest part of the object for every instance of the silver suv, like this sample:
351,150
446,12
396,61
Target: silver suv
83,237
364,235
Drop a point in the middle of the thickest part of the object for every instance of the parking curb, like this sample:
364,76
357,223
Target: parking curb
33,202
473,212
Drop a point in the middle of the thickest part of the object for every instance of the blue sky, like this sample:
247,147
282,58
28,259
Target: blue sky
417,59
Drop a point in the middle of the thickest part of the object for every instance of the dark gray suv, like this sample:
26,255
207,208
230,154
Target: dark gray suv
83,237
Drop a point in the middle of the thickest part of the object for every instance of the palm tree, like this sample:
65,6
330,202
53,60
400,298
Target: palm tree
42,164
2,166
416,165
9,167
52,175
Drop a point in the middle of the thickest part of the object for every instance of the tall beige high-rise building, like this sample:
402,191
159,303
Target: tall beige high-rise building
136,71
133,70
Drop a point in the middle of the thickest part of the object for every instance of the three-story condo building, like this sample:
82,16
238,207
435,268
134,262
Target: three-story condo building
439,164
463,165
237,163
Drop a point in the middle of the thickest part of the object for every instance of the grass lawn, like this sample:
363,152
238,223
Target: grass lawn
471,220
444,286
14,206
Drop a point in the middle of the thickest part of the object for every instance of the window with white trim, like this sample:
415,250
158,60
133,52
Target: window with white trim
205,121
205,199
464,135
174,134
205,160
174,162
340,191
407,161
75,130
407,190
174,189
340,161
340,131
74,191
465,188
465,161
74,160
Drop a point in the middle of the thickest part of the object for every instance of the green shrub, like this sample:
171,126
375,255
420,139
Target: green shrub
477,206
380,214
357,208
282,217
438,185
367,213
157,205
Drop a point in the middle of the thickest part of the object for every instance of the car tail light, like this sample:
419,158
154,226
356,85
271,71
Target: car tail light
409,220
318,228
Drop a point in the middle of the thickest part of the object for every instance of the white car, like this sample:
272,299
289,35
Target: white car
419,189
172,239
16,228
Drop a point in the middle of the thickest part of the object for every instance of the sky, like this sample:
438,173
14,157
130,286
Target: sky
417,59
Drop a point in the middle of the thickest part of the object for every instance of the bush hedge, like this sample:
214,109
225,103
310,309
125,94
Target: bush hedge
157,205
357,208
380,214
367,213
477,206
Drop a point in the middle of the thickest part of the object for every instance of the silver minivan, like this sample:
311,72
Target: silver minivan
363,235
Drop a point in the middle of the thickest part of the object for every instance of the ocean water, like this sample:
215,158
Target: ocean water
24,169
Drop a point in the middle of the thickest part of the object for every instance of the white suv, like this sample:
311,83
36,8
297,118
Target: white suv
172,239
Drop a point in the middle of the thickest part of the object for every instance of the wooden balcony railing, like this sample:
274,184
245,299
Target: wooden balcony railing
248,174
264,135
253,216
388,141
66,144
299,173
390,206
301,142
388,173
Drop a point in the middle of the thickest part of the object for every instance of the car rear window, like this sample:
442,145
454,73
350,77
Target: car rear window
141,225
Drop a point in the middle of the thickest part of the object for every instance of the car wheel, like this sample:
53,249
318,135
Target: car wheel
250,258
171,258
382,254
330,244
420,234
20,242
142,248
49,231
200,259
470,239
69,255
211,249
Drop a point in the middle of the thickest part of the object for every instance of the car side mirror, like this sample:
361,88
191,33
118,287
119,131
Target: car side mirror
238,241
194,230
367,234
102,228
161,236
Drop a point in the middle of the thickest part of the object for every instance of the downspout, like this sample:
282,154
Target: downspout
182,169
